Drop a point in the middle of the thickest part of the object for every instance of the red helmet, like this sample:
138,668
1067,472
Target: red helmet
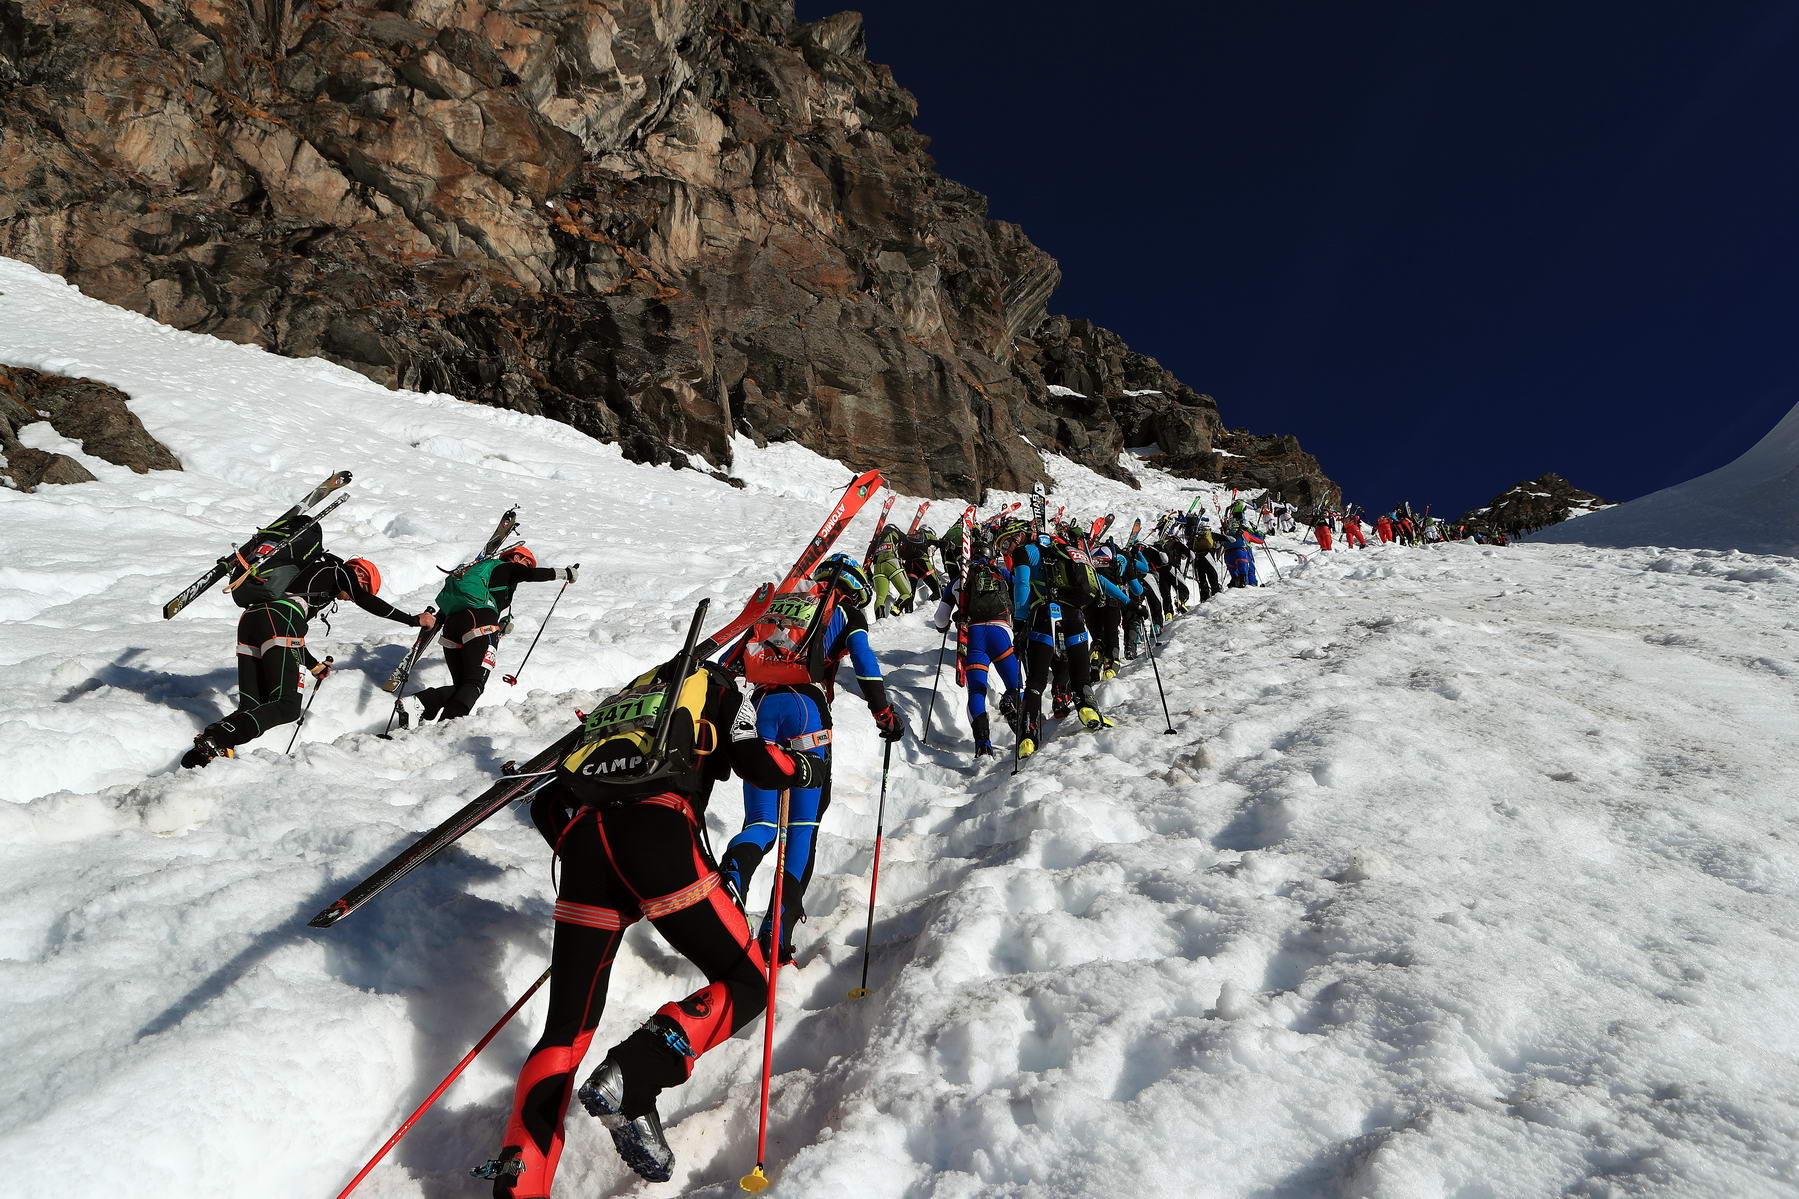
365,574
520,554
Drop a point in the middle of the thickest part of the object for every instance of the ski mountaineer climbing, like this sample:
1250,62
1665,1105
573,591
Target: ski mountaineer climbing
1105,614
1240,555
950,547
1204,544
921,572
474,609
980,602
1321,528
279,598
1352,531
1051,586
891,590
791,660
627,827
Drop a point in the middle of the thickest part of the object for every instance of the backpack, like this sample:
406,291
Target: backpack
268,580
1073,573
468,587
787,646
985,594
616,757
888,548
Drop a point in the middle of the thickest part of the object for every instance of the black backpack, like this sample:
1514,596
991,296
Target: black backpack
1071,572
275,557
985,594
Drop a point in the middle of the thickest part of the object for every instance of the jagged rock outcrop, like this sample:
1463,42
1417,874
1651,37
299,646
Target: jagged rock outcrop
1533,504
82,410
663,223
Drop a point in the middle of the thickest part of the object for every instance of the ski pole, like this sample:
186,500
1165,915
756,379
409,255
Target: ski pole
757,1179
317,683
1158,673
406,1125
874,879
931,709
512,679
1273,563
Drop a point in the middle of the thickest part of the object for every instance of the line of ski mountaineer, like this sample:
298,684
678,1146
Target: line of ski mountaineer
621,798
283,578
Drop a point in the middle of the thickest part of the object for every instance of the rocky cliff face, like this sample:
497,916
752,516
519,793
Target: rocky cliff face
661,221
1533,504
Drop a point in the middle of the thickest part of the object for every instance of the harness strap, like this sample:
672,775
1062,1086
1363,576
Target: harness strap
588,916
810,740
686,897
477,631
257,651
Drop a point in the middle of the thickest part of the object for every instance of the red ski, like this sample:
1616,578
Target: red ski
880,525
918,518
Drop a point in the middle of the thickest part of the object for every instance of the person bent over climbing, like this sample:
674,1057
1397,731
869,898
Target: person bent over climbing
279,600
980,602
892,590
474,607
791,660
627,827
1052,582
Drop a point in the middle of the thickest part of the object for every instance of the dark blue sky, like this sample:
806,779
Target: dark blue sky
1449,244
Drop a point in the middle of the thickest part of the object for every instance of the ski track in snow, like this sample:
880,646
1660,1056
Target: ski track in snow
1468,872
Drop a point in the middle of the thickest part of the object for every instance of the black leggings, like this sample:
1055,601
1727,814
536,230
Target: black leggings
1040,654
1208,576
471,640
638,859
271,653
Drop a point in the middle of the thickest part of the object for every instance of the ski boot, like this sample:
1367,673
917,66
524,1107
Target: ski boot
983,744
638,1139
1061,704
1094,719
1027,740
794,906
204,751
1008,710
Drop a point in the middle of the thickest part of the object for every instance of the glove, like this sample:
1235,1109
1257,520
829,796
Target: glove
567,573
321,670
506,627
808,771
425,620
890,724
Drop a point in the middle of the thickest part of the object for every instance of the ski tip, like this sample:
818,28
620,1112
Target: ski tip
330,915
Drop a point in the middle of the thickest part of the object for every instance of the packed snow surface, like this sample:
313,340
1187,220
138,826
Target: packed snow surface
1467,871
1751,504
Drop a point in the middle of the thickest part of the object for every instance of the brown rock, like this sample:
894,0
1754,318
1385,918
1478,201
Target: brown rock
1533,504
27,469
93,413
663,223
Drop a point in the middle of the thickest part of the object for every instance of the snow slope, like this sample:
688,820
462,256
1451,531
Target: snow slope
1751,504
1467,872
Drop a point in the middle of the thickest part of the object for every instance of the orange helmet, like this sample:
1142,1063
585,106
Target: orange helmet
520,554
366,574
